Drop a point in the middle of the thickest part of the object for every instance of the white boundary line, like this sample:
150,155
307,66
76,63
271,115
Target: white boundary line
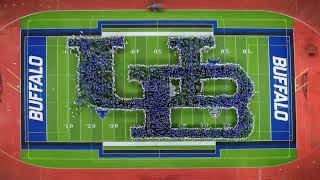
159,143
57,85
198,34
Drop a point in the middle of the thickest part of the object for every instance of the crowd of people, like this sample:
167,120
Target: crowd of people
97,88
191,72
95,68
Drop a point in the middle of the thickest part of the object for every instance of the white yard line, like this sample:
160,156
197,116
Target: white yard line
259,87
57,88
126,34
214,83
247,54
181,125
269,90
68,87
158,43
89,126
192,118
146,50
135,62
46,70
235,49
288,49
225,61
124,86
159,143
113,129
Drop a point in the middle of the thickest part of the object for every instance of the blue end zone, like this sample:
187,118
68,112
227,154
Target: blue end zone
35,89
280,87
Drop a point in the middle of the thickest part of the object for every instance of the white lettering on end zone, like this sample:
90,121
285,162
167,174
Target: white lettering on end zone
35,83
280,77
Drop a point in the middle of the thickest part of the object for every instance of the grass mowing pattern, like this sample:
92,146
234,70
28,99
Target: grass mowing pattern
89,19
67,124
90,159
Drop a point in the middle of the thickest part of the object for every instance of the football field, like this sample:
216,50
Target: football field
61,128
69,123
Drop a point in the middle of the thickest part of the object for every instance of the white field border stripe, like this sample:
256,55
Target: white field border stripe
173,143
109,34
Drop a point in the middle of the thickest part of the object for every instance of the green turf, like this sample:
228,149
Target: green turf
70,123
89,19
251,53
219,87
90,159
201,118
